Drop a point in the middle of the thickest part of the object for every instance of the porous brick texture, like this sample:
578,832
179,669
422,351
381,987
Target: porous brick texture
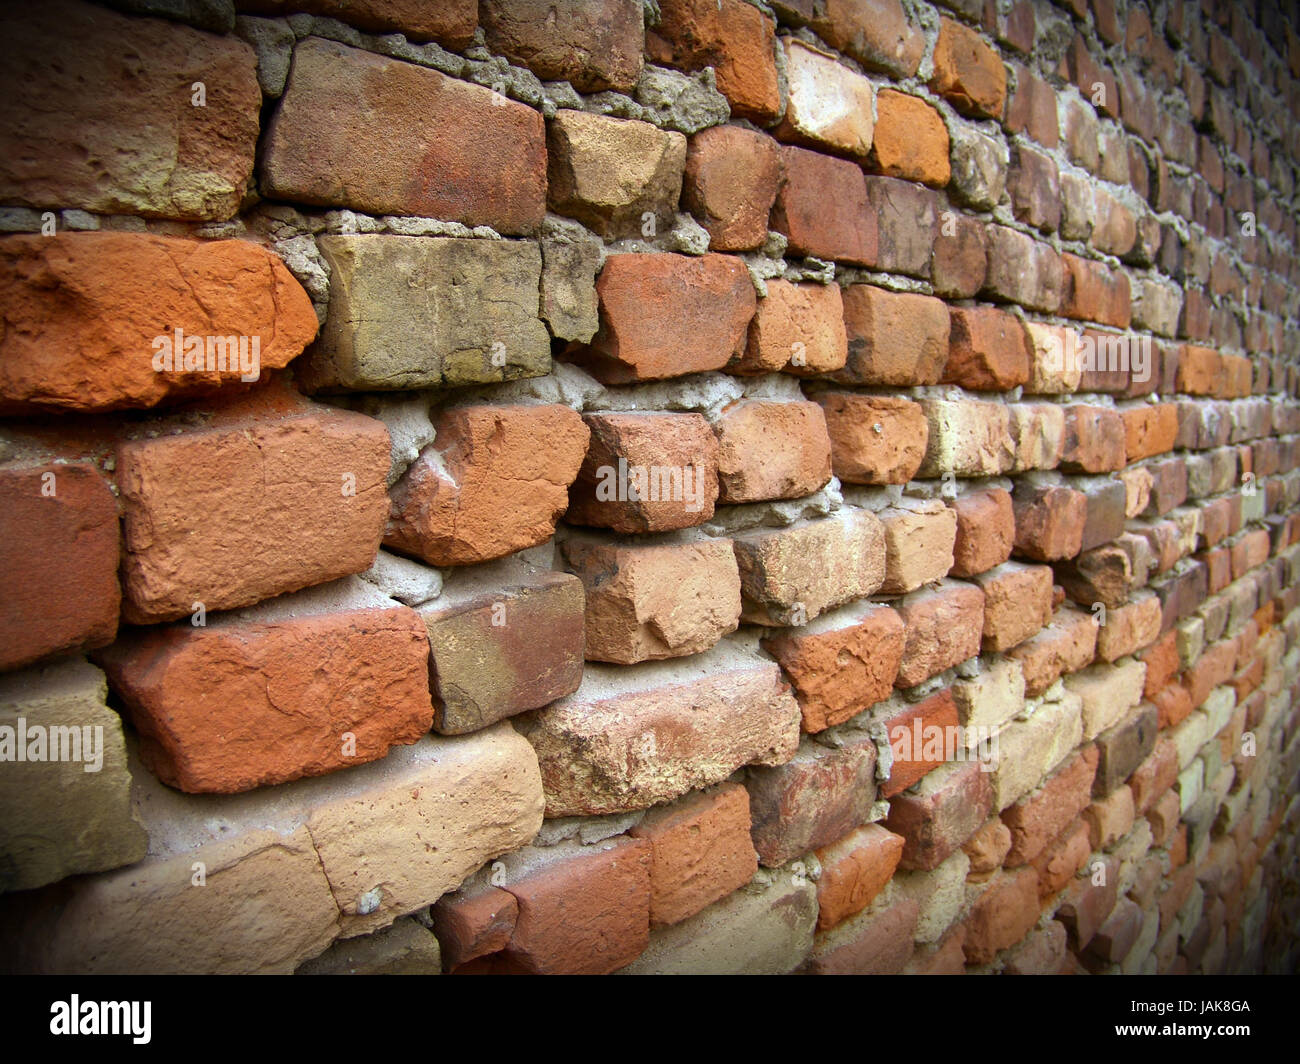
704,486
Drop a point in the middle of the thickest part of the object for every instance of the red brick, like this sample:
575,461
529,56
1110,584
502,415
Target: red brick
818,796
1094,439
947,808
1002,915
906,217
183,161
1118,934
1129,628
59,529
985,531
1085,904
1095,292
618,487
1249,551
910,139
1066,645
1155,775
967,72
1038,819
1174,704
911,733
1059,861
988,847
667,315
266,496
876,33
594,47
1017,604
446,148
771,450
1031,108
822,208
944,625
1215,666
840,666
854,870
1044,950
473,922
959,263
894,338
1161,660
798,328
1035,189
700,851
878,942
1023,270
988,350
84,313
874,439
1150,430
731,181
495,482
451,22
734,38
583,913
1049,522
240,704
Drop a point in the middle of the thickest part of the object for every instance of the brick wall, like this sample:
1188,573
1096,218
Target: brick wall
697,486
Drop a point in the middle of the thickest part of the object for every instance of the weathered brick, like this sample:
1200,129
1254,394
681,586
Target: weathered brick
1129,628
700,851
646,473
731,181
876,942
809,567
967,72
1027,750
828,106
1094,439
918,544
918,735
1108,693
1023,270
450,149
797,327
1066,645
650,734
668,315
734,38
910,140
959,263
67,811
1038,819
582,911
610,173
253,502
592,47
1017,603
944,625
473,921
1001,914
894,338
500,644
988,350
184,161
772,450
1123,747
649,601
1049,521
105,321
947,808
854,870
1094,292
985,531
822,208
487,487
818,796
877,33
906,215
471,320
60,530
303,686
967,438
841,663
